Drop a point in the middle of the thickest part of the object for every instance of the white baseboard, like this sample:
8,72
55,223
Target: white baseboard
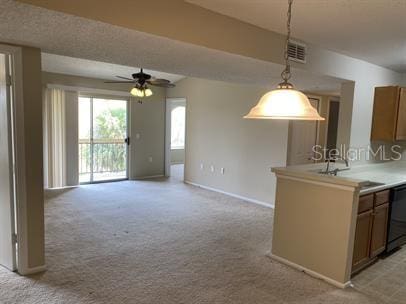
51,192
251,200
148,177
33,270
310,272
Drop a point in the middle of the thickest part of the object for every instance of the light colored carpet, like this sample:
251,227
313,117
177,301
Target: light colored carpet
152,242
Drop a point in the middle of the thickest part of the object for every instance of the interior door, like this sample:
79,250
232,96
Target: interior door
302,138
7,220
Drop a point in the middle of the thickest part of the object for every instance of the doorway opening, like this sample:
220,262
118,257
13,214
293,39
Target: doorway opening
176,133
332,125
303,136
103,139
308,139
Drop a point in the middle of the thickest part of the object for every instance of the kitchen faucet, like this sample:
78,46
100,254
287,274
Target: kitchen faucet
336,170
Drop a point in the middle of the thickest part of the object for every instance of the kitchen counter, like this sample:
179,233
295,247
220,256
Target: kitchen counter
390,174
315,215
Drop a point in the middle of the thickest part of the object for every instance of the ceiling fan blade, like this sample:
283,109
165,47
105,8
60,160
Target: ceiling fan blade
132,81
126,78
163,85
158,81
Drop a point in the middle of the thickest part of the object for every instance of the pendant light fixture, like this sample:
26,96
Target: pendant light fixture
285,102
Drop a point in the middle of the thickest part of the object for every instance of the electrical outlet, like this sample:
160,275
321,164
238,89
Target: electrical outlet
222,170
201,166
150,159
212,168
137,136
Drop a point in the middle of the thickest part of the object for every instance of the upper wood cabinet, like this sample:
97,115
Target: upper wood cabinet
389,116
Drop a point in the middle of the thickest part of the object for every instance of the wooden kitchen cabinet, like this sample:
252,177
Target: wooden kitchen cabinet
389,115
371,229
379,229
362,240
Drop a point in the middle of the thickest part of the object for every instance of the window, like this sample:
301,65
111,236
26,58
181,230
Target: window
178,127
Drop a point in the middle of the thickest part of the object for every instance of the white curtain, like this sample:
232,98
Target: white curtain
54,138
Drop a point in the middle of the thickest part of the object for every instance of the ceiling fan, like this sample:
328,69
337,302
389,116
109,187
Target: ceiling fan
141,81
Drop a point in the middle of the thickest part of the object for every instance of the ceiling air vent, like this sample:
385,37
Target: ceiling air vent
297,51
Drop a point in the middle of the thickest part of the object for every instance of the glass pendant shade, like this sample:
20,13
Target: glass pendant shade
141,92
284,103
136,92
148,92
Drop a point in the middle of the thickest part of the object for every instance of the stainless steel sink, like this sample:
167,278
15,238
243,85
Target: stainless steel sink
370,184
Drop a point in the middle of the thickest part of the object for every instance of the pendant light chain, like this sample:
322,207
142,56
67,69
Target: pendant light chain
286,72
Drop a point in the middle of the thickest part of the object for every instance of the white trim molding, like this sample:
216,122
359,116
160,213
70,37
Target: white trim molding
88,90
309,272
32,270
148,177
20,182
244,198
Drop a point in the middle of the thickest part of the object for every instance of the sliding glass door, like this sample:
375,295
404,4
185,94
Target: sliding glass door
103,143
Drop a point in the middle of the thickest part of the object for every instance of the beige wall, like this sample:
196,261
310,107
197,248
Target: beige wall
217,135
180,21
78,81
32,96
322,241
72,131
146,119
345,115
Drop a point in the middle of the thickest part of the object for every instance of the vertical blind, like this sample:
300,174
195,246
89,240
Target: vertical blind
60,127
54,138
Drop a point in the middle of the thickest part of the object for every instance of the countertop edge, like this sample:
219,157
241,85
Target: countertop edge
336,180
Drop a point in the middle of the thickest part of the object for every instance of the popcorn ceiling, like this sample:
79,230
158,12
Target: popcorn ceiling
68,35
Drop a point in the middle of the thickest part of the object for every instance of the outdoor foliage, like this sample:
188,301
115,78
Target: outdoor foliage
110,124
109,153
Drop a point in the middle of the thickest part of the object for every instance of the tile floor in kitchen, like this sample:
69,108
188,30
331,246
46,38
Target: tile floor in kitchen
386,279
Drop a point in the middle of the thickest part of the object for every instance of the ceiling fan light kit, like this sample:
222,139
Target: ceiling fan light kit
285,102
141,81
141,92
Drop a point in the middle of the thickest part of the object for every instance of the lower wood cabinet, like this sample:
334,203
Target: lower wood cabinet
371,229
379,229
362,240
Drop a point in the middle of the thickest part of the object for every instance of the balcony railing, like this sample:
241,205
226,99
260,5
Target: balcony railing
102,159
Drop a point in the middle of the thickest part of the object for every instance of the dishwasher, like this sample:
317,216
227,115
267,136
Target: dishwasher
397,219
